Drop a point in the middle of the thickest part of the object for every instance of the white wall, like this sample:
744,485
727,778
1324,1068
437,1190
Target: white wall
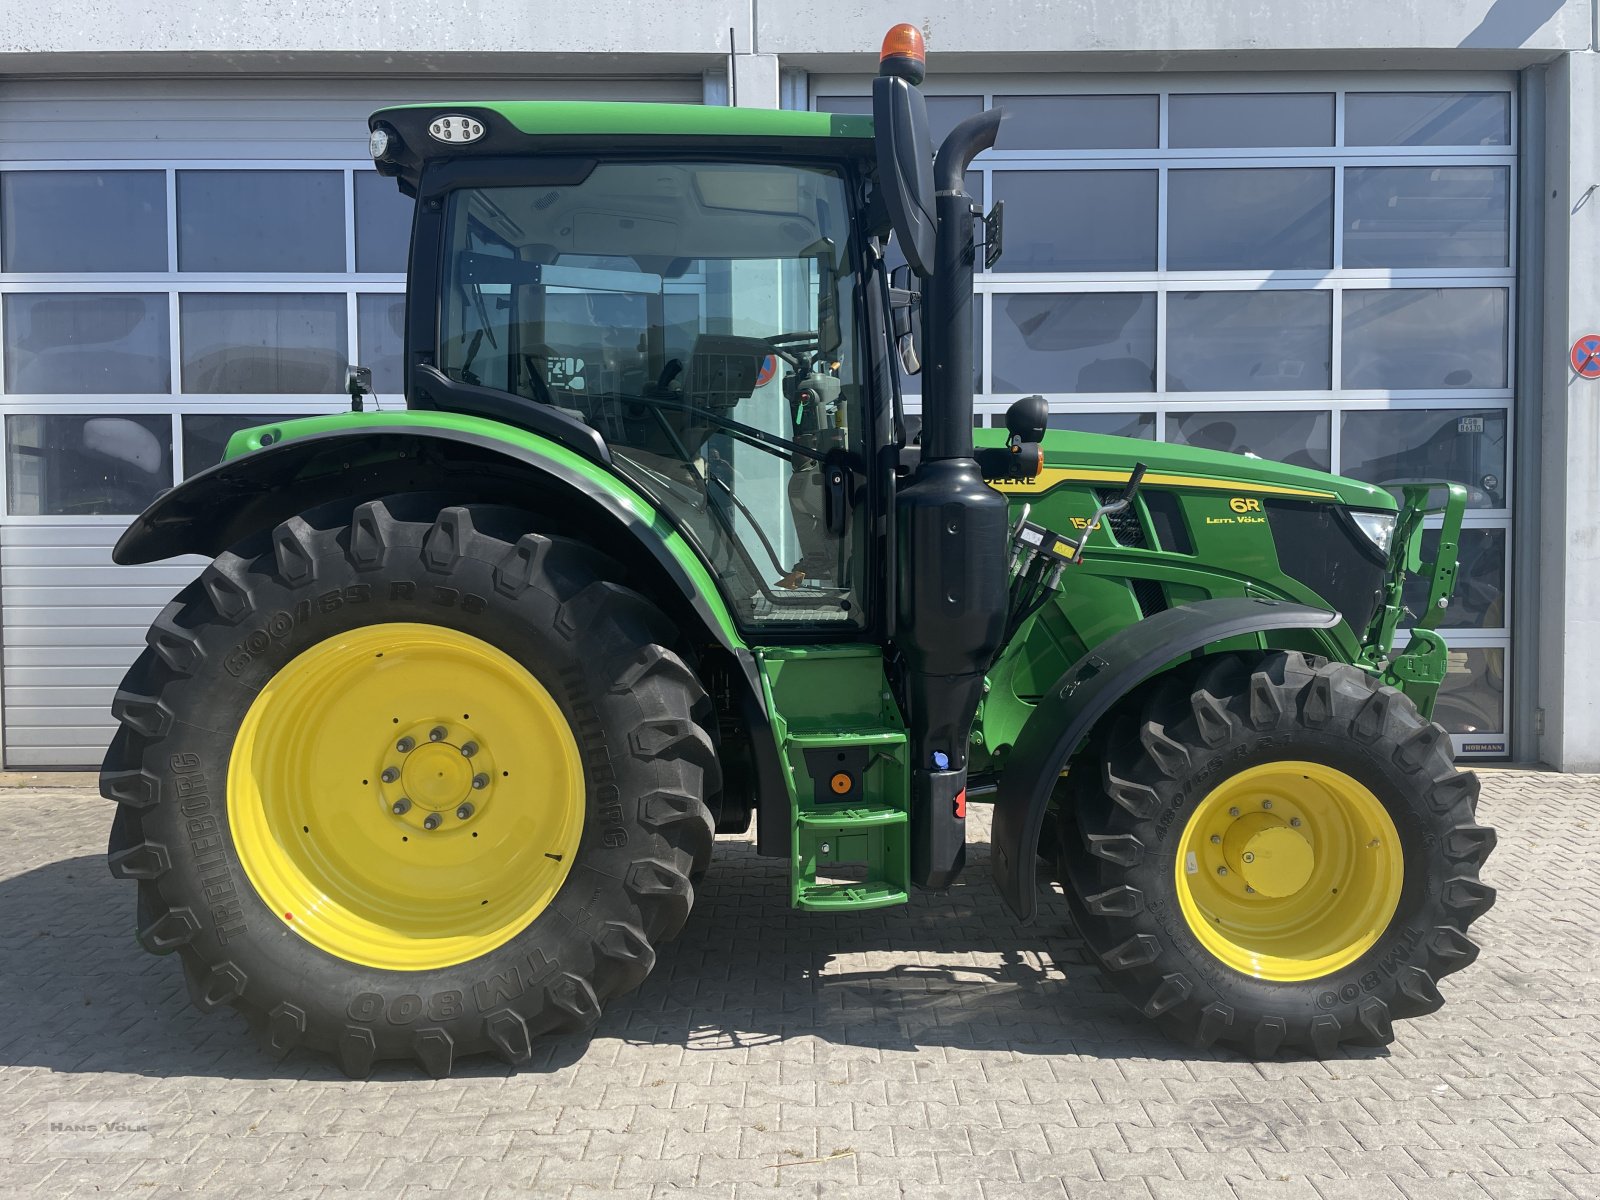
1568,489
836,34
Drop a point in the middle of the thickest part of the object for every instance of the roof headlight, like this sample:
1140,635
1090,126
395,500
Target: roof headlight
1378,526
378,143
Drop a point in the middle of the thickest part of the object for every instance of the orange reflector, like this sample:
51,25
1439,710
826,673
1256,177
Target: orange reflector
841,783
904,41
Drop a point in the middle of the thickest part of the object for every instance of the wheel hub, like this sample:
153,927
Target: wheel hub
1272,857
432,770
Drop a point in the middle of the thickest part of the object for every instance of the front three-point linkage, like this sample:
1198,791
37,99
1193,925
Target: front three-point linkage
1040,556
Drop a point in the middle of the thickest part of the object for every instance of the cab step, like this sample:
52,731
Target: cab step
844,751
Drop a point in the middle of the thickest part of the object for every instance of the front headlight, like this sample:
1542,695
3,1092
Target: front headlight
1378,526
378,143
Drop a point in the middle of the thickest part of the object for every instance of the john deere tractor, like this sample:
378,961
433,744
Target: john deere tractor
427,762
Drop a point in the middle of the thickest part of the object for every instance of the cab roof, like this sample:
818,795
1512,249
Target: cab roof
562,117
516,127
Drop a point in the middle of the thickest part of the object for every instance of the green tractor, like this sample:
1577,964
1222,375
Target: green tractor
427,762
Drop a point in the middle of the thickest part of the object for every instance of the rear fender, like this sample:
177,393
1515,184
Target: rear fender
1088,690
470,460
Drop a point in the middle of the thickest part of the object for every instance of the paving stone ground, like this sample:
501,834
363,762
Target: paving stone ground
938,1050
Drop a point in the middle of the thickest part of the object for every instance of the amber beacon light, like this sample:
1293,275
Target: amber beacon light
904,54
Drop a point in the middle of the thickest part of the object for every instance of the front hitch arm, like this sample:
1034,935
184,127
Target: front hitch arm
1419,669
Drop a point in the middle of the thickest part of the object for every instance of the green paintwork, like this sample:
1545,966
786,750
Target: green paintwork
1419,670
1406,560
546,118
826,702
1233,555
422,422
1231,474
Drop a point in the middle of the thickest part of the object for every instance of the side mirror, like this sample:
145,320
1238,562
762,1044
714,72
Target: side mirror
905,167
1028,418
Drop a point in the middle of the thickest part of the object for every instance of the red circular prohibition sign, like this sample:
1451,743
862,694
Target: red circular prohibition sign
1586,356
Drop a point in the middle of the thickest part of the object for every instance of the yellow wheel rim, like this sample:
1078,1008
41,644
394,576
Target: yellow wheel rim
406,796
1289,871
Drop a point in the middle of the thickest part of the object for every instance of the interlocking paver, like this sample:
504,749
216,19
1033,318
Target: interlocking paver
936,1051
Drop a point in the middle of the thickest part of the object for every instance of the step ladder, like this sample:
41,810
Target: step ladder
843,748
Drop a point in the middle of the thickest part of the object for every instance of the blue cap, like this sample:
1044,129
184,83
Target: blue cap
941,761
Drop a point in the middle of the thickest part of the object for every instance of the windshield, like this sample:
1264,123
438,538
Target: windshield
701,317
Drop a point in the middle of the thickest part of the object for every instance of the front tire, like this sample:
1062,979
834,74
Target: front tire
410,782
1276,853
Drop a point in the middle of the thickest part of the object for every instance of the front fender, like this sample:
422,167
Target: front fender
319,460
1085,693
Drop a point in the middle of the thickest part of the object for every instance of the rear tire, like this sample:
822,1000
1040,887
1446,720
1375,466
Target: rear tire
205,848
1214,960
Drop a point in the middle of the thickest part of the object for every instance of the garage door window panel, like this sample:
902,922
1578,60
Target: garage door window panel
261,221
1399,339
285,342
1056,123
1442,217
1472,698
83,221
1134,425
1427,119
86,465
1250,219
1479,599
380,334
1250,119
1074,342
86,343
383,224
1298,438
1411,445
1249,341
1074,221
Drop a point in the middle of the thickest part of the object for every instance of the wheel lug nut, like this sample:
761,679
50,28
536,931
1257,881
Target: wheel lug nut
405,745
468,750
480,781
431,821
390,774
1266,804
1222,870
400,807
1216,839
1233,812
463,812
1249,890
1295,822
1248,856
436,734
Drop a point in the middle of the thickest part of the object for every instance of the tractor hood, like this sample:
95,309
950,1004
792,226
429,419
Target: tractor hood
1095,458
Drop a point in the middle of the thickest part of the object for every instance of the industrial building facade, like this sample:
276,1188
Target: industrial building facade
1338,245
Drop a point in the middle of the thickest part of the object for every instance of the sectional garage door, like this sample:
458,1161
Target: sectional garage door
177,259
1319,269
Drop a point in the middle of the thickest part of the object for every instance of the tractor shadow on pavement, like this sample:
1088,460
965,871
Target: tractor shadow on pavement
953,971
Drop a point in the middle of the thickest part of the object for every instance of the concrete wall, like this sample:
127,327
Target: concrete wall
1567,492
817,34
824,34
